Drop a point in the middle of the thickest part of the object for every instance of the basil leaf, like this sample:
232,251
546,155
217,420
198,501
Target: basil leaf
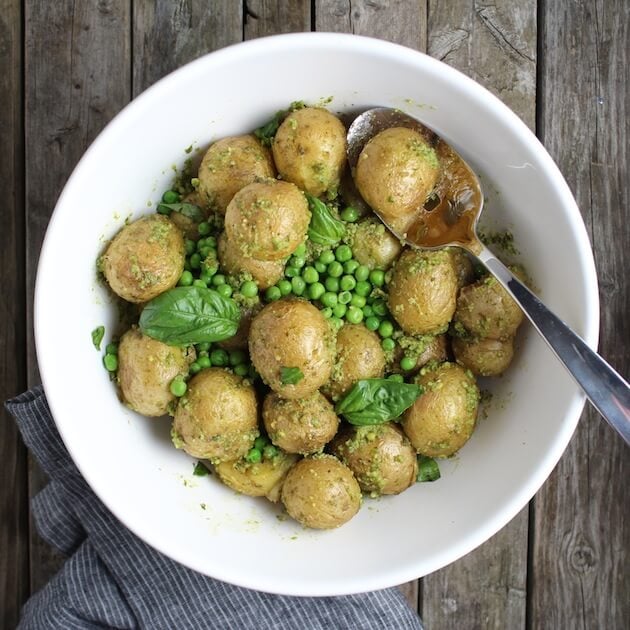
324,228
267,132
200,470
377,400
290,375
189,210
187,315
428,469
97,336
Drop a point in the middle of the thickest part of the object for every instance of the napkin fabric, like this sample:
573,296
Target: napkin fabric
112,579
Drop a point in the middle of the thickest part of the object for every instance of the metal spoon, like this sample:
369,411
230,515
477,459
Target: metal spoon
449,218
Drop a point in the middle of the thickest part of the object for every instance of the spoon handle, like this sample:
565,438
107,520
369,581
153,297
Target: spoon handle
608,392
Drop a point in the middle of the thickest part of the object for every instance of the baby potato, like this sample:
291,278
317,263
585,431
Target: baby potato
217,418
484,357
396,171
144,259
374,245
359,356
146,368
240,340
321,492
303,425
264,272
262,479
381,457
423,350
443,417
423,291
485,309
229,165
309,150
292,336
267,220
464,271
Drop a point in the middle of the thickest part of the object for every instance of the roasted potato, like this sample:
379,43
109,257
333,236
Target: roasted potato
217,418
373,244
309,150
229,165
144,259
321,492
484,357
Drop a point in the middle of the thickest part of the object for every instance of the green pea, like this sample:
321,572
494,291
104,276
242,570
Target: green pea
186,279
397,378
300,250
195,261
194,367
347,283
320,267
351,266
339,310
332,284
199,283
345,297
218,279
354,315
363,288
316,290
211,241
272,294
379,307
203,346
386,329
371,323
254,456
249,289
336,322
362,273
291,272
284,286
310,275
110,361
190,246
335,269
203,228
204,362
297,261
377,277
408,363
237,357
209,267
367,311
388,344
328,299
349,214
170,196
327,312
260,442
178,387
206,251
111,348
326,257
343,253
358,301
242,369
298,285
187,266
224,290
251,373
270,451
219,358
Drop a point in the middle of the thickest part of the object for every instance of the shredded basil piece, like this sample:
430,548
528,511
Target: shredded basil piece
290,375
324,229
97,336
267,132
428,469
189,210
200,470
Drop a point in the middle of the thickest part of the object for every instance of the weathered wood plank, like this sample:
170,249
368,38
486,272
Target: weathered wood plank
14,568
266,17
495,44
580,576
166,34
77,79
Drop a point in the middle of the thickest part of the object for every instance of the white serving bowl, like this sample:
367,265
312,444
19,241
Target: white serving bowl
129,460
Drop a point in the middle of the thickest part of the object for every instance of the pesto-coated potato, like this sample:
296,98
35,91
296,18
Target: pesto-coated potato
146,368
240,340
302,425
442,418
267,220
144,259
294,334
373,244
485,309
217,418
321,492
423,291
309,149
381,457
396,171
422,349
261,479
359,355
484,357
464,271
229,165
264,272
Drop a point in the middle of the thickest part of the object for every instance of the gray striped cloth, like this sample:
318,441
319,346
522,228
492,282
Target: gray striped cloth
112,579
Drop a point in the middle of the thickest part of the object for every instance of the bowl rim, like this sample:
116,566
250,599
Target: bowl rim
354,43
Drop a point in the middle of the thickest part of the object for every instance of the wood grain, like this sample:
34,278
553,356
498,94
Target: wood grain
265,17
14,527
77,79
579,572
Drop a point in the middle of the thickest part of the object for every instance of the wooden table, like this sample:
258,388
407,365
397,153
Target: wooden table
66,68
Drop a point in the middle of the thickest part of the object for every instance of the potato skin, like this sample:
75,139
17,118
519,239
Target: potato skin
309,150
263,479
146,368
303,425
267,220
443,418
144,259
423,291
359,356
485,309
264,272
464,271
217,418
396,171
424,349
292,333
484,357
321,492
374,245
229,165
381,457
